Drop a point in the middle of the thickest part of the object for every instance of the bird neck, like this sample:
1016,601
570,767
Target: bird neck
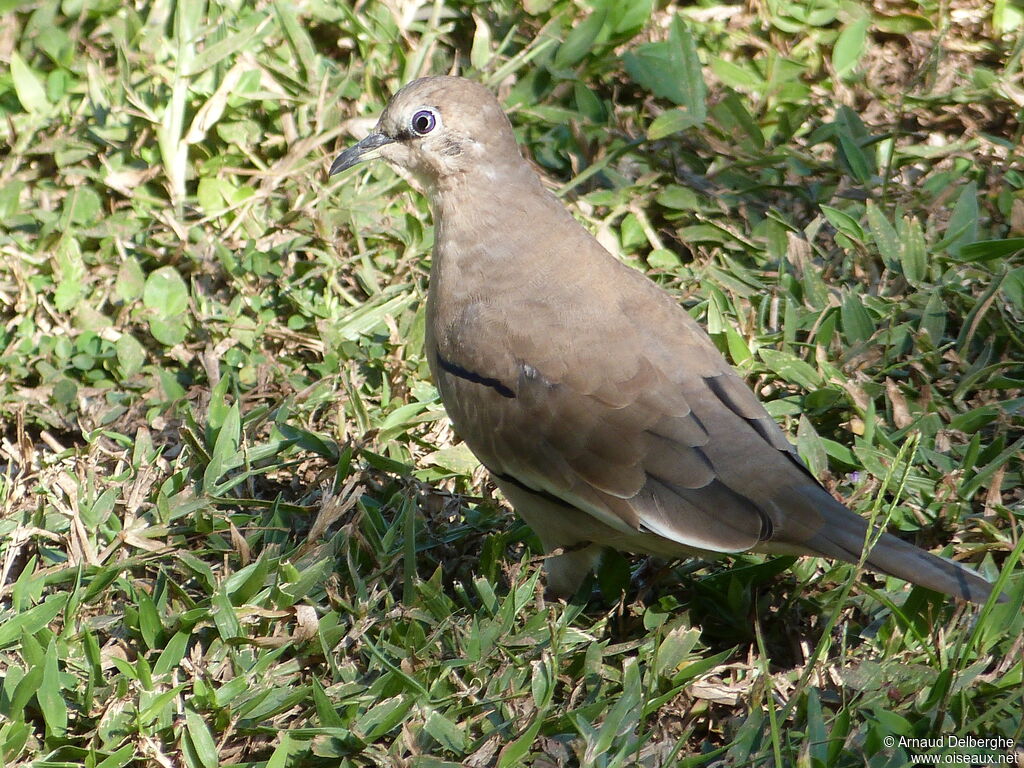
486,213
496,238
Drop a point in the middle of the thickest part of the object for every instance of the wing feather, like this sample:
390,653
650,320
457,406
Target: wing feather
570,394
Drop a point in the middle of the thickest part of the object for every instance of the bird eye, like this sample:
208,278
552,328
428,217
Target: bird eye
423,122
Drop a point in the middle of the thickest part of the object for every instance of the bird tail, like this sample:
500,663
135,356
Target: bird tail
843,536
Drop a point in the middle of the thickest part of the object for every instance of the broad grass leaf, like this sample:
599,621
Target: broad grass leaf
50,695
445,732
242,36
542,682
856,320
204,748
382,717
884,235
72,283
790,367
325,711
902,23
856,160
511,756
588,103
457,459
307,580
817,730
83,206
25,689
742,78
171,654
159,705
224,617
1013,288
844,222
989,250
672,121
851,136
913,252
850,46
225,455
737,345
580,41
219,408
242,585
28,86
213,109
628,18
373,313
536,7
1007,16
671,70
150,625
298,36
810,447
962,229
973,420
732,115
119,758
165,293
170,333
281,757
131,355
10,198
33,619
613,576
480,53
130,280
839,452
622,713
676,648
933,317
983,475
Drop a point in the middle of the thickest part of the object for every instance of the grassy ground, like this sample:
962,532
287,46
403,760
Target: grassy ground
235,527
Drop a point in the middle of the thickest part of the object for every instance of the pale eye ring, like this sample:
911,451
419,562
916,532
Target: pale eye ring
423,122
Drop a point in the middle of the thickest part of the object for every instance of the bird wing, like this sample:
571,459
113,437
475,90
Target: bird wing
605,394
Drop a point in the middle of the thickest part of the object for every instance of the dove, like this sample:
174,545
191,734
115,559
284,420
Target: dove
602,409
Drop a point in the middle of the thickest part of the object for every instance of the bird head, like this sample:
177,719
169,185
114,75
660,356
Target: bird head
435,128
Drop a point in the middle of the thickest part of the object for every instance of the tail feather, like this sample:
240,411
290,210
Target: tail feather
843,536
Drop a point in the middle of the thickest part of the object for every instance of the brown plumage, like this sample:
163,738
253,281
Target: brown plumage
602,409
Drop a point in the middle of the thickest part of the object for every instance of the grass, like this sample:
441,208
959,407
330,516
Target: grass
235,527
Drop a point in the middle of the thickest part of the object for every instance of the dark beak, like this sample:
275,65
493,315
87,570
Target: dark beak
364,150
